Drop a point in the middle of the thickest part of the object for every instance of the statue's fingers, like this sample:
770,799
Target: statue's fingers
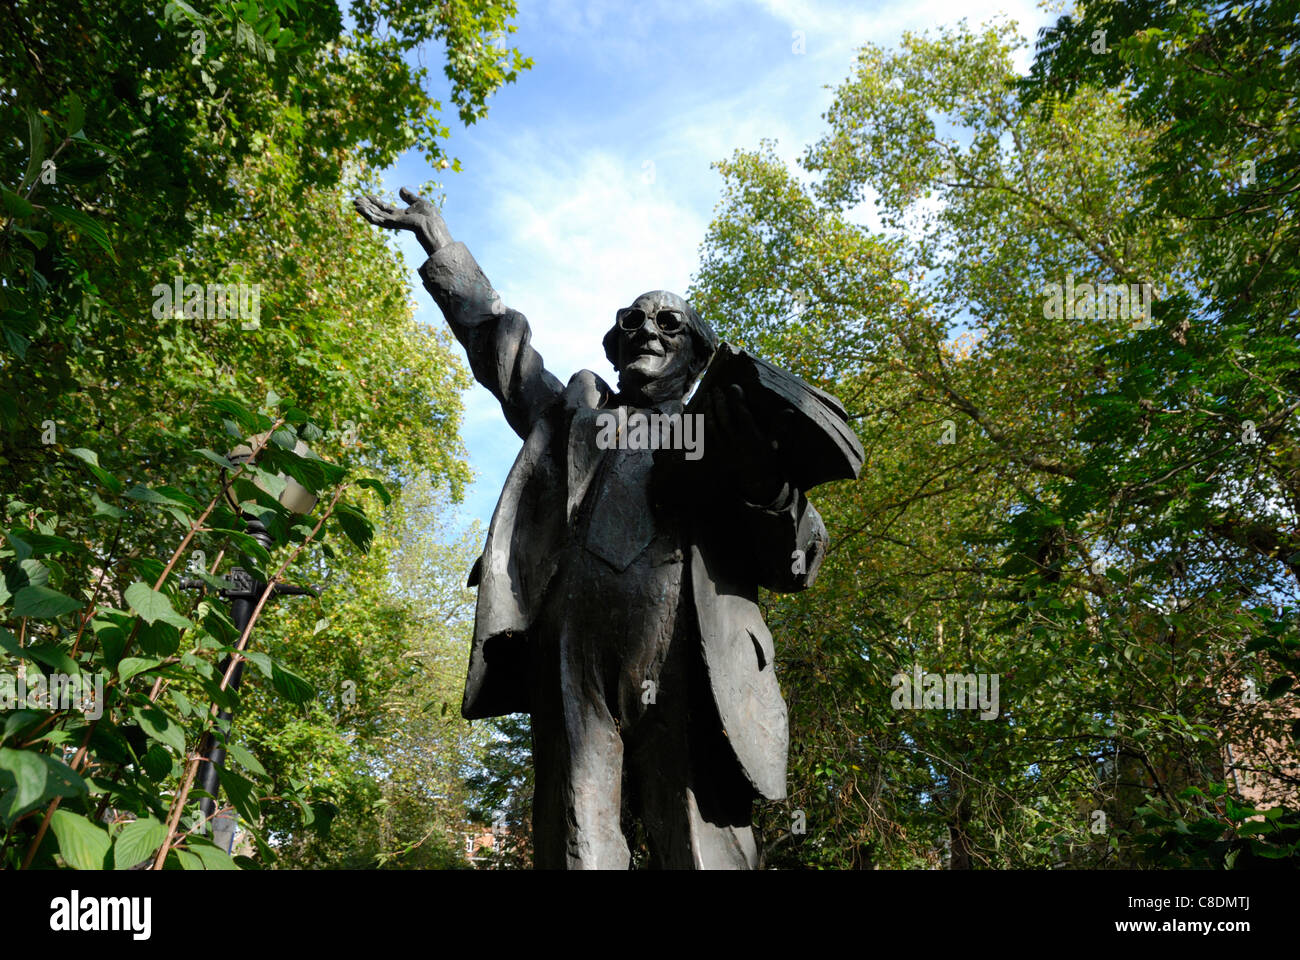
374,212
745,427
365,208
742,419
728,412
409,195
782,428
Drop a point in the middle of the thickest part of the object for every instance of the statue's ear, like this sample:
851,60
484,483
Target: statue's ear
703,352
610,343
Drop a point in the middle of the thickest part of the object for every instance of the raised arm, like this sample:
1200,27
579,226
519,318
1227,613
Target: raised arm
496,339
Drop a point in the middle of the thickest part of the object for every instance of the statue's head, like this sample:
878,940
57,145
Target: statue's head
659,345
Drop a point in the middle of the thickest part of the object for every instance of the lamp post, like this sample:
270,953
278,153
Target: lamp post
244,593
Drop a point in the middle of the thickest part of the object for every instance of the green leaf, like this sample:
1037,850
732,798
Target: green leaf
35,146
187,860
9,644
137,842
57,780
242,794
18,344
21,770
21,548
131,666
290,685
43,544
250,421
91,459
76,114
159,639
215,457
85,224
270,483
42,603
157,762
210,856
378,487
159,726
323,814
84,845
244,757
19,721
227,699
219,624
1279,686
55,657
355,525
153,606
35,237
262,661
103,509
15,205
183,703
163,496
29,573
247,543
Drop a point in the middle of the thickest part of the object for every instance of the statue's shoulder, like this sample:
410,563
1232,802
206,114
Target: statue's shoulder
586,389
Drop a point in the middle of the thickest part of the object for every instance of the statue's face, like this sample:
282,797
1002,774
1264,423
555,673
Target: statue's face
654,344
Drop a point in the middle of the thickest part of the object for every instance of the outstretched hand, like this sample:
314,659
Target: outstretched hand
421,218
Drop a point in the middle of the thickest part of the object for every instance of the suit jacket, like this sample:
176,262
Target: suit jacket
731,551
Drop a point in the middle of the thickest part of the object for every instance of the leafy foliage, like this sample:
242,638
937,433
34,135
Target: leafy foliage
176,244
1063,503
105,723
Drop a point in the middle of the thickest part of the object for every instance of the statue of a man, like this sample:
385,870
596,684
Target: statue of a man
616,601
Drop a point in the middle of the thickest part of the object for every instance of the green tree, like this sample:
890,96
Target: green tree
967,547
385,744
212,145
1195,452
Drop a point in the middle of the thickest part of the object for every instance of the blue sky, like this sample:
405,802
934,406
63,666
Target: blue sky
589,181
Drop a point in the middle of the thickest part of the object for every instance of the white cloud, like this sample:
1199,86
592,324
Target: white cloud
570,236
586,234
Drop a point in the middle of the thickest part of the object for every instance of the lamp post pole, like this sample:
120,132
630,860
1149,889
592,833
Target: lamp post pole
243,596
244,593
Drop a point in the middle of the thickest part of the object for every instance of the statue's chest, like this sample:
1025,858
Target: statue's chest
613,515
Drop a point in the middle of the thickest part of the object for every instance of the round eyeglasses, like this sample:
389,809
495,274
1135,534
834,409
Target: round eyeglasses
666,319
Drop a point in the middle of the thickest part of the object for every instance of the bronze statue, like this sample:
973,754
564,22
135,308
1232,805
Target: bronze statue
617,589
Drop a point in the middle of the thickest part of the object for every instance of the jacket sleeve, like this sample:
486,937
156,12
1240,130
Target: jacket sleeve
786,542
496,338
